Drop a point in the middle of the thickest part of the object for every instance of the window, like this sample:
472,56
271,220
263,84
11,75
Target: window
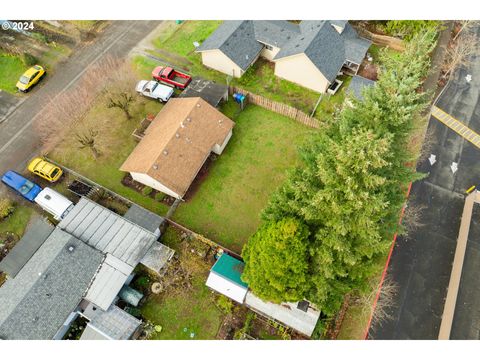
54,172
25,188
24,79
268,47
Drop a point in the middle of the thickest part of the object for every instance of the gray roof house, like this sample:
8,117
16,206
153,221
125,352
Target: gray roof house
36,303
77,269
311,53
357,85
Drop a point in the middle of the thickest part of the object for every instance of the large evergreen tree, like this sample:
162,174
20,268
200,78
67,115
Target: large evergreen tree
277,262
351,185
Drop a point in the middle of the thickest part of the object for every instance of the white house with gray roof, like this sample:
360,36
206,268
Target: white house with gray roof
311,54
77,269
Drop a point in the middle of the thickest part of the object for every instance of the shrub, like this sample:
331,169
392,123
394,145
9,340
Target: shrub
224,304
29,59
159,196
147,190
6,208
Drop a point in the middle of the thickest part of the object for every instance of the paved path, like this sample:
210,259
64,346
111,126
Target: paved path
18,140
421,263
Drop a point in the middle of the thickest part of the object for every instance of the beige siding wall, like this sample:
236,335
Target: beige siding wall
217,60
269,54
218,149
154,184
300,70
338,28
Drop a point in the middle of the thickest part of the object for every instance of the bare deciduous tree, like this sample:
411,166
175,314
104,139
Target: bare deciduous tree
385,302
122,101
428,144
120,93
65,111
87,139
458,54
412,218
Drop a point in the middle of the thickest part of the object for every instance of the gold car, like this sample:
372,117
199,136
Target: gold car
30,78
44,169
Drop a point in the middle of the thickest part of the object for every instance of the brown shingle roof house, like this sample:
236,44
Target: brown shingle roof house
176,145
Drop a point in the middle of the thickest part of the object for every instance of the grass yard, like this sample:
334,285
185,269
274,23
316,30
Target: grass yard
182,312
18,221
226,207
358,313
11,68
115,144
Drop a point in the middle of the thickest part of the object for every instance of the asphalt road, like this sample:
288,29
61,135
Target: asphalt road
18,140
421,262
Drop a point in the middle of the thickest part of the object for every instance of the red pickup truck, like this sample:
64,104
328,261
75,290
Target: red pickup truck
169,76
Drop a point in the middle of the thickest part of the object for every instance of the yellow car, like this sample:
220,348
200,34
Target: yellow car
30,78
44,169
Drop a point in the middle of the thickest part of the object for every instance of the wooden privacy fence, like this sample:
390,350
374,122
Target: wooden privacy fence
279,108
384,40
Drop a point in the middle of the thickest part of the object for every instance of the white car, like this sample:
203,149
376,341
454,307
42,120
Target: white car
54,203
154,90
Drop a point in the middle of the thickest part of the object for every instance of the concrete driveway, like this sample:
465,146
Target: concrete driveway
421,263
18,140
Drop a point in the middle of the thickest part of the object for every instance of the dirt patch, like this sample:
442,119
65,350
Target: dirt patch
231,323
368,70
201,176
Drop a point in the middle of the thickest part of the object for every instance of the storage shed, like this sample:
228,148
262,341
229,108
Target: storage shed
225,277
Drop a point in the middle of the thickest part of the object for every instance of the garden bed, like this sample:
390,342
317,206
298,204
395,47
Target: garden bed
146,191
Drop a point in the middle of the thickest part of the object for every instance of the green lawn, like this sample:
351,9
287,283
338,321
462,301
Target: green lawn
11,68
182,312
226,207
18,221
115,144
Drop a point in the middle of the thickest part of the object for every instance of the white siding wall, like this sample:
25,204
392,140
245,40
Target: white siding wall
154,184
338,28
217,60
218,149
226,287
300,70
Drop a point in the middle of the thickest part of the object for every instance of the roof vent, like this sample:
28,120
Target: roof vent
220,121
165,152
282,30
198,104
265,29
182,125
189,119
246,56
35,319
288,37
48,294
297,45
155,167
302,38
187,139
71,248
48,197
177,135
